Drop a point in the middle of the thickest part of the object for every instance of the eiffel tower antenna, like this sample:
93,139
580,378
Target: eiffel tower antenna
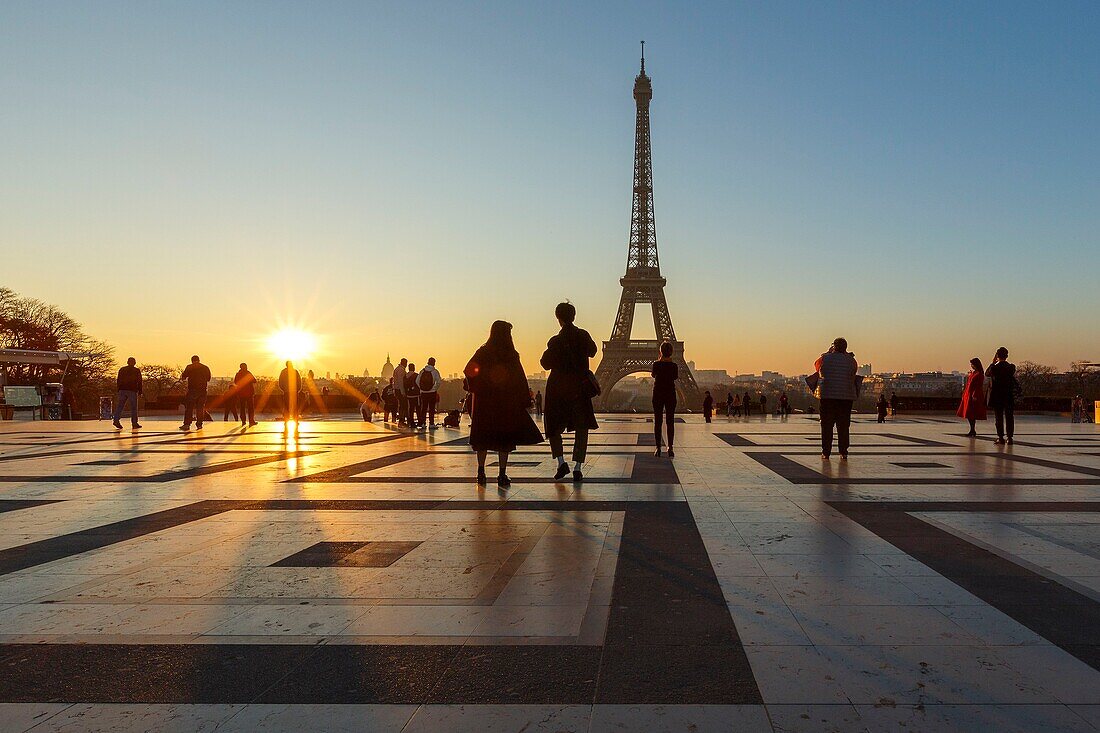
642,283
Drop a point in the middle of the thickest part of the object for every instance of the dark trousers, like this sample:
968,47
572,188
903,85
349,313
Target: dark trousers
662,406
580,435
412,409
706,415
292,406
1002,415
427,407
835,414
389,410
248,409
194,407
127,396
402,407
230,406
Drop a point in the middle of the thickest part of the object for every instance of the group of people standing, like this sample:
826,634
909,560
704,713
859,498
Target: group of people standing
411,396
240,398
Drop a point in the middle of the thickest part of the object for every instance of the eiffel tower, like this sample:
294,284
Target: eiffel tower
642,283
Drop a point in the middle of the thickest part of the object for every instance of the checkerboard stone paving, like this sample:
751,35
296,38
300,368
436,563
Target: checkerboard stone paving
353,577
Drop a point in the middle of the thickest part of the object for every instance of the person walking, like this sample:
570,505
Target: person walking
883,407
665,372
708,405
499,397
729,405
746,403
538,404
836,375
894,404
1002,394
245,385
784,405
389,402
197,376
429,381
290,383
972,404
737,405
399,390
569,390
129,389
763,405
412,397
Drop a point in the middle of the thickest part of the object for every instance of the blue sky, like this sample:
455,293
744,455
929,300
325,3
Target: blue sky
921,178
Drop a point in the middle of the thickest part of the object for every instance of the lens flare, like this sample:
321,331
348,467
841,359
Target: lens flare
291,343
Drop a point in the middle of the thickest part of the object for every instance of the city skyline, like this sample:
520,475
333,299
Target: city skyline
211,179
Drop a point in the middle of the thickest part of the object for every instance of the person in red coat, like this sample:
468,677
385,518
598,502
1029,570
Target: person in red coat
972,404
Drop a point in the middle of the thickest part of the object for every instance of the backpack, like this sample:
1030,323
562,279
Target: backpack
426,381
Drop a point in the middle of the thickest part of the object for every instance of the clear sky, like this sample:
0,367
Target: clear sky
922,178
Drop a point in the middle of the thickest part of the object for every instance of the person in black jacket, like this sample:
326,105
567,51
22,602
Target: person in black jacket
568,395
665,373
197,376
499,398
412,395
129,388
1002,394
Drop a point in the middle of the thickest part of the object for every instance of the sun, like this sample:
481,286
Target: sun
291,344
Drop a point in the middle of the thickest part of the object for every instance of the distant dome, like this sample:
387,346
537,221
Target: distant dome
366,372
387,368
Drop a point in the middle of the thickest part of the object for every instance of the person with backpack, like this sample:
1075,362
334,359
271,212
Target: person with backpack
412,396
429,381
389,402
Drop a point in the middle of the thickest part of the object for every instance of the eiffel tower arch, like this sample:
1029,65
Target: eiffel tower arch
642,283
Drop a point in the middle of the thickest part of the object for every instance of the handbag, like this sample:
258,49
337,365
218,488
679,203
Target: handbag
590,386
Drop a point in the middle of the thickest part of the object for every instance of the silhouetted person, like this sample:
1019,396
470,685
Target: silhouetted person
245,384
784,405
538,403
129,389
1002,394
197,376
290,384
972,402
836,371
569,390
498,401
883,407
729,404
229,403
412,396
737,405
429,381
665,373
746,403
708,405
894,403
763,404
399,389
390,404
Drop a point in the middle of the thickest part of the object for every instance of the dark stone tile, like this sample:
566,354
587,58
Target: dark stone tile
530,675
690,623
675,674
382,674
141,673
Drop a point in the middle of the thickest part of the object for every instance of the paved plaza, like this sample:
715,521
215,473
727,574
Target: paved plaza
354,578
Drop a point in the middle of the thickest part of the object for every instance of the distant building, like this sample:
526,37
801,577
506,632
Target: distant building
708,376
387,369
864,370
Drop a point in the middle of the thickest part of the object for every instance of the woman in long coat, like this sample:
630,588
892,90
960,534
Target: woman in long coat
972,404
498,416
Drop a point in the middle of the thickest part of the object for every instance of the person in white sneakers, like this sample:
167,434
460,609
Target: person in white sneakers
429,381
